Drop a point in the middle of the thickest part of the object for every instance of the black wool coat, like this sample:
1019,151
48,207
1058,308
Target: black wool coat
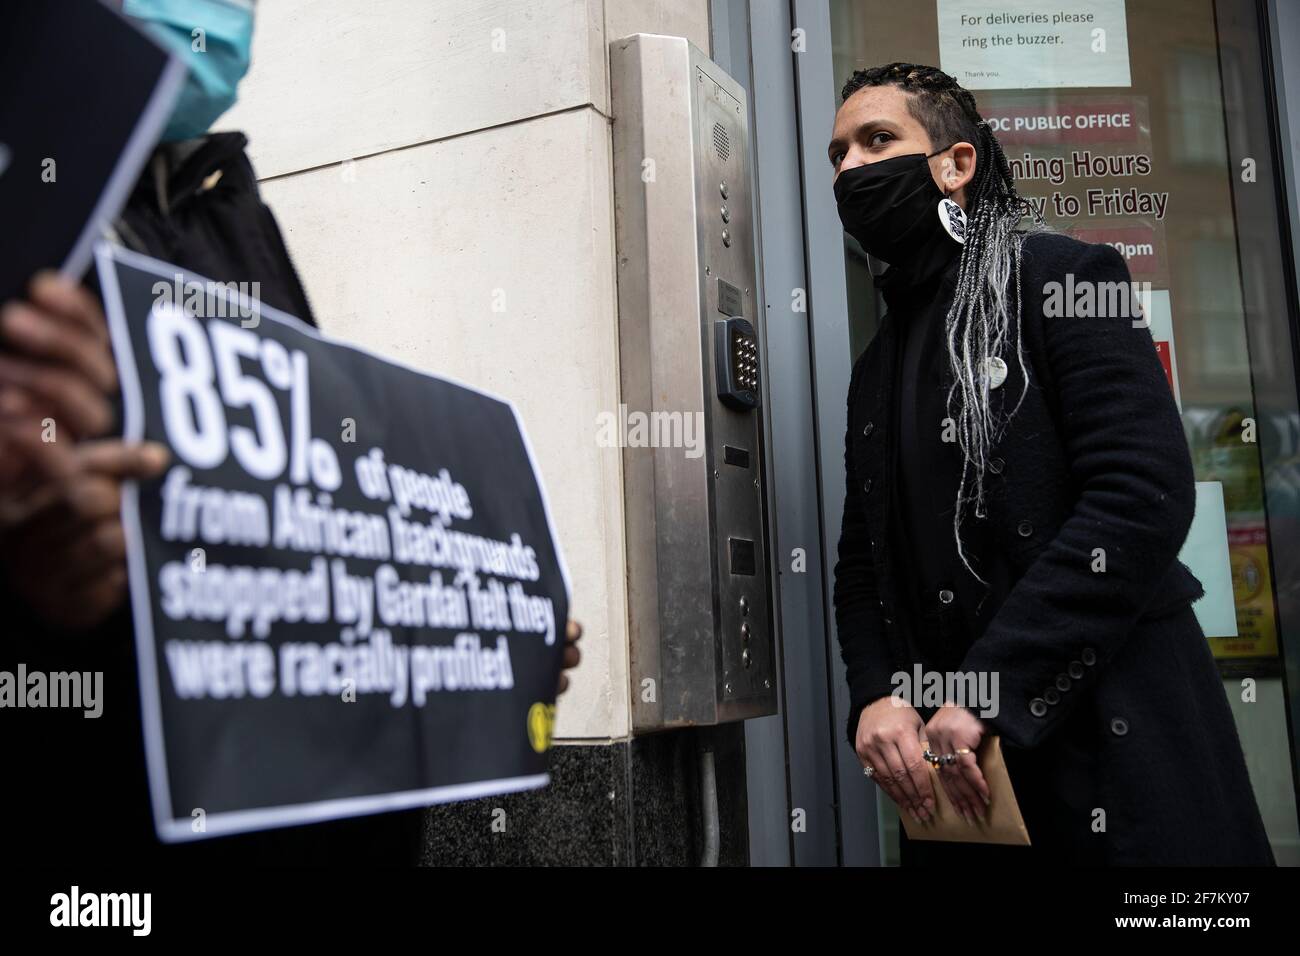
1108,697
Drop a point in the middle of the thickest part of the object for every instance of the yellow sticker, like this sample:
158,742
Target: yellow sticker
541,724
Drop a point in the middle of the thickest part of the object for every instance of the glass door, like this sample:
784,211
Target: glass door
1161,147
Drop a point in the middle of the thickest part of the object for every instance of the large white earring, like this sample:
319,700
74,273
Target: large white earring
953,218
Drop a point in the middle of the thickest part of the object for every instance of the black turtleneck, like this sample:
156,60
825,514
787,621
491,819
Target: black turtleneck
926,468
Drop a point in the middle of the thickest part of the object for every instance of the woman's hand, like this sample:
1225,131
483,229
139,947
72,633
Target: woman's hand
888,741
955,730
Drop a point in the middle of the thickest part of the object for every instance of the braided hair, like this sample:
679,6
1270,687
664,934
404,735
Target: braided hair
980,320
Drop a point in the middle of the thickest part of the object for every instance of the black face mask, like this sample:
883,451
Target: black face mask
890,206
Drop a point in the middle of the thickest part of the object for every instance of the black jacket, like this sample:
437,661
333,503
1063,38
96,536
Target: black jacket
1095,458
197,205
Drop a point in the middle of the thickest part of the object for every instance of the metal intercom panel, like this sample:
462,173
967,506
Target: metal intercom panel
691,347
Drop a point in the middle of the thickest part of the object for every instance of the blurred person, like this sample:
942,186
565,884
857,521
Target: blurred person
78,787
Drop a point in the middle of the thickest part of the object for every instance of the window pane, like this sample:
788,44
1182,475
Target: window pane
1146,164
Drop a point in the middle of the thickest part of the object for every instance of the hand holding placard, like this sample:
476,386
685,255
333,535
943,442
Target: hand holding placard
348,578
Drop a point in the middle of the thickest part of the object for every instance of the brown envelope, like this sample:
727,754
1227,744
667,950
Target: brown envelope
1002,822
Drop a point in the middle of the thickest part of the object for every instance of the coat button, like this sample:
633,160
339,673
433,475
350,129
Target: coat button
945,596
1118,726
1063,683
1075,670
867,429
1089,656
1038,707
1051,696
1024,529
866,487
996,465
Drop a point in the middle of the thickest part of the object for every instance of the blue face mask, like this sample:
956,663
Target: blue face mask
214,39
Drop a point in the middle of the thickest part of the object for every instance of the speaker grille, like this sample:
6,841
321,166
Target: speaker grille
721,141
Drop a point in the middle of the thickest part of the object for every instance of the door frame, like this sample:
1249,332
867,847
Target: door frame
809,802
